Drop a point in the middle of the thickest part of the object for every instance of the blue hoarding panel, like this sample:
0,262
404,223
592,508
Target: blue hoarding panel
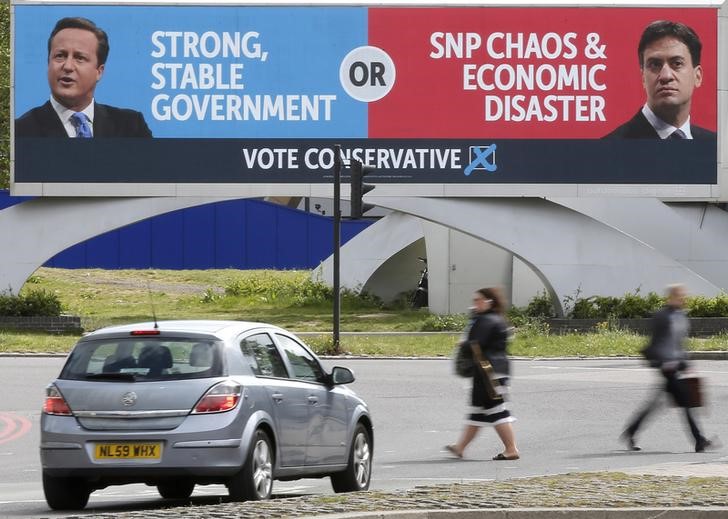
103,251
167,241
199,237
135,243
260,242
72,257
321,242
242,234
230,234
292,240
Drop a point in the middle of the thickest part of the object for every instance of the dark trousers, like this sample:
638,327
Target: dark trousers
676,391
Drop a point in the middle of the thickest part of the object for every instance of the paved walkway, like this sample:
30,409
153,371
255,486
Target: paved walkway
698,487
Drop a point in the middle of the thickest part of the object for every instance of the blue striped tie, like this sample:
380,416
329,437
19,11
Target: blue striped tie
677,134
80,122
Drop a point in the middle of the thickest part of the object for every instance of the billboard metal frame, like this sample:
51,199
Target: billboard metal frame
692,192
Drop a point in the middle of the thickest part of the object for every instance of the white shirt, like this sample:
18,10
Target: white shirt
663,129
65,115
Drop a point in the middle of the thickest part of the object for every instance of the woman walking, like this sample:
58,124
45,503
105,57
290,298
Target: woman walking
487,339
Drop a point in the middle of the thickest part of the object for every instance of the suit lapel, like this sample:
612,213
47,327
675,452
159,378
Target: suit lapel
101,121
48,119
643,126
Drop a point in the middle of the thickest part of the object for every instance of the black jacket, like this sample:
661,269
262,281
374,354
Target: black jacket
670,326
109,121
640,128
490,330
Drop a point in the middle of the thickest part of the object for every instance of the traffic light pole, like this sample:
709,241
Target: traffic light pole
337,247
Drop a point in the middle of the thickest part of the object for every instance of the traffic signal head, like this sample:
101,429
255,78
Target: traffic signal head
359,188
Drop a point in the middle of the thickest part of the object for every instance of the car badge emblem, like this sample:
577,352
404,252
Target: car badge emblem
129,399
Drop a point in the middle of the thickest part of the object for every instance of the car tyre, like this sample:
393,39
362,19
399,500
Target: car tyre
65,493
176,489
358,472
254,482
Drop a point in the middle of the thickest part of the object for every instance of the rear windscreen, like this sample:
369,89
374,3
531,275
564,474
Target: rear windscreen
144,359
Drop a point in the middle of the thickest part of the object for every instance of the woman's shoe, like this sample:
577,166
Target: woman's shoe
627,438
452,450
504,457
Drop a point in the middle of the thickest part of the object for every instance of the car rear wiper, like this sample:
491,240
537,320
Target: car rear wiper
126,377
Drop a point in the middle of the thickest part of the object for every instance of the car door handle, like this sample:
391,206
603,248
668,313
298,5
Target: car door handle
313,400
278,397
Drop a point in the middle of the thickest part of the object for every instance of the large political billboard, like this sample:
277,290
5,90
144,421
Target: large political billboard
479,97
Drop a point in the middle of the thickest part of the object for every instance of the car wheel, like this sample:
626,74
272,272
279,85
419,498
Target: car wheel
358,472
176,489
254,482
65,493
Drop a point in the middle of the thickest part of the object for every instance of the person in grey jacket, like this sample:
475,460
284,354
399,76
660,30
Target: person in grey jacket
487,340
665,351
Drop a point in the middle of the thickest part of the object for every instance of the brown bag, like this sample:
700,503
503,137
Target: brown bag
488,374
692,391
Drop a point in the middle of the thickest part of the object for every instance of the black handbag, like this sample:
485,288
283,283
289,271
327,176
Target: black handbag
463,360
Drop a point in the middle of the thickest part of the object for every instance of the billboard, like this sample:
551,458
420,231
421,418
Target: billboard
494,100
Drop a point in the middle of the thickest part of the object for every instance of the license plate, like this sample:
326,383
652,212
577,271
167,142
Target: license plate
128,451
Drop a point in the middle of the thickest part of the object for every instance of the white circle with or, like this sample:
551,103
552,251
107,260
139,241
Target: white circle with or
367,73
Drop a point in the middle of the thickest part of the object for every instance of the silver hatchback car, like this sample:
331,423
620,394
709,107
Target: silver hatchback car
179,403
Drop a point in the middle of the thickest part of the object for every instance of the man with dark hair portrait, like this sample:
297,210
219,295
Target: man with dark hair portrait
77,52
669,57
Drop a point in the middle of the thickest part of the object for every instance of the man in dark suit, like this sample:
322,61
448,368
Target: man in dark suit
669,57
77,52
666,351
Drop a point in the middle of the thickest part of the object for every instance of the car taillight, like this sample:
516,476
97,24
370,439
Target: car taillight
219,398
55,403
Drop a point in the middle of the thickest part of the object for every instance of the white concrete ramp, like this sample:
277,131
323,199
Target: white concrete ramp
573,254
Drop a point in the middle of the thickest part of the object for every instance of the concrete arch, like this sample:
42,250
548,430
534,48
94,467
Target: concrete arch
43,227
571,252
365,254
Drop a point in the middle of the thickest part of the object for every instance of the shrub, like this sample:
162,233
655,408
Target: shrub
210,296
540,306
629,306
595,307
634,305
34,303
444,323
296,289
700,306
530,326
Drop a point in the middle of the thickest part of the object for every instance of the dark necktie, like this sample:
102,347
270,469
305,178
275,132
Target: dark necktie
80,122
677,134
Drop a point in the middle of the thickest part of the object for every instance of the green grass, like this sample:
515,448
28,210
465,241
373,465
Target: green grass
287,299
104,297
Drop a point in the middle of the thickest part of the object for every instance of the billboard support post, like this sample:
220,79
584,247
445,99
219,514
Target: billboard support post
337,247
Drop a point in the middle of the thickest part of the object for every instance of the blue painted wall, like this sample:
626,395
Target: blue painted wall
241,234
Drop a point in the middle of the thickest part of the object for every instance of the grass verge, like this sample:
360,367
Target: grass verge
288,299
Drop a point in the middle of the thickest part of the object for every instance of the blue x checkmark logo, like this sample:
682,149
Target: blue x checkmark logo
479,156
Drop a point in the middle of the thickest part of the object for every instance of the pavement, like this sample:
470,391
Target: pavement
697,490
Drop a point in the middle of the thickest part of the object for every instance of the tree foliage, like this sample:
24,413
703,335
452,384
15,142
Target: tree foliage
4,93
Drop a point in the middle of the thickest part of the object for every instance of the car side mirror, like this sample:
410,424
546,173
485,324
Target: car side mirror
341,375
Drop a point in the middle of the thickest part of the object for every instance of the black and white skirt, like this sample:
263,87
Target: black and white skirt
485,409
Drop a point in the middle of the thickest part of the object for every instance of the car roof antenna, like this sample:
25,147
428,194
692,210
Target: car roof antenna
151,301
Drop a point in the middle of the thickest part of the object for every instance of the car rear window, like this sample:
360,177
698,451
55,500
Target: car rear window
144,359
